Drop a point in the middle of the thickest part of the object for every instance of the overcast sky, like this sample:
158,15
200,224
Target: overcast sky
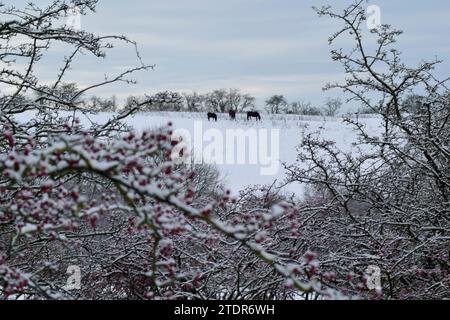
263,47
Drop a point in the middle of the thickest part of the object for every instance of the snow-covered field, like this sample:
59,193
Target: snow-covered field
290,128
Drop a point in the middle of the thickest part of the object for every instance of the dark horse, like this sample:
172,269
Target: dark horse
232,114
212,115
253,114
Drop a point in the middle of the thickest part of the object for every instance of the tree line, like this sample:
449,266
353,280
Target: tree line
220,100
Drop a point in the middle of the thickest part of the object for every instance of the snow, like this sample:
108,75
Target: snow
238,176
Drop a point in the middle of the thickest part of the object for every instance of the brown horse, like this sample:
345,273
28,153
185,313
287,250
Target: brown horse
232,114
212,115
253,114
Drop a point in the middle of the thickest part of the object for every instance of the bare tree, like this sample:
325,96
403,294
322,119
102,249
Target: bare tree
276,104
97,104
195,102
165,101
68,92
385,205
217,101
248,103
303,108
332,106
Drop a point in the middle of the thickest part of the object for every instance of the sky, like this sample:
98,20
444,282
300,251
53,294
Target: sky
262,47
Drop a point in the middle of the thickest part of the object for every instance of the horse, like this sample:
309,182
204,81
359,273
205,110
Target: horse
253,114
212,115
232,114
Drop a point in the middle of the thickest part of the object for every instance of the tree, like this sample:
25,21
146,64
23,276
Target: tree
332,106
115,202
276,104
194,101
247,103
165,101
234,99
412,103
385,204
97,104
303,108
135,101
69,93
217,101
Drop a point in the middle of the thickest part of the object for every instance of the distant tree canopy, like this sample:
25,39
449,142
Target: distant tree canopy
220,100
332,106
303,108
166,100
98,104
276,104
63,95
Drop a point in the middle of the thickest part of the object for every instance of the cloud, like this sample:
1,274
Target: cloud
261,46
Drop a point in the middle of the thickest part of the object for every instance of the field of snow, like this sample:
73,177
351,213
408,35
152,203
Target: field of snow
289,128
